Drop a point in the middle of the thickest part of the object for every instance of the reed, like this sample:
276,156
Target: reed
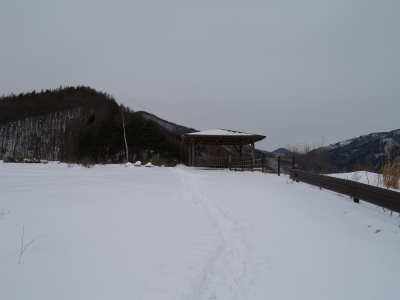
390,173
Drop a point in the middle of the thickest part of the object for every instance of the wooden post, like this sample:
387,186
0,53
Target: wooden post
240,149
252,153
279,165
294,165
229,162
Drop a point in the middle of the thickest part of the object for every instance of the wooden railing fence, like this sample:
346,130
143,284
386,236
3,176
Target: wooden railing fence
211,162
359,191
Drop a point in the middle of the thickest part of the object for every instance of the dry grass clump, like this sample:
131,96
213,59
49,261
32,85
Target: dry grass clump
162,161
87,162
390,174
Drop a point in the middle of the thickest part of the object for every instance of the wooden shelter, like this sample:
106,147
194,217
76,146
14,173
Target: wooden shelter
226,137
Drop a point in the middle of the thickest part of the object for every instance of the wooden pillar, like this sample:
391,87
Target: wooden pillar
193,151
240,150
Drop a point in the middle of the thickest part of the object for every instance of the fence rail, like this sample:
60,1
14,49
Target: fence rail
378,196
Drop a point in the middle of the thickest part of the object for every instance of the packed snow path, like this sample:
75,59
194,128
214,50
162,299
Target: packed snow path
216,264
113,232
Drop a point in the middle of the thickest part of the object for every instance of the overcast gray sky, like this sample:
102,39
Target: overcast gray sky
291,70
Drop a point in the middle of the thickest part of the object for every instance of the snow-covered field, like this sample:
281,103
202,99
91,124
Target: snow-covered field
115,232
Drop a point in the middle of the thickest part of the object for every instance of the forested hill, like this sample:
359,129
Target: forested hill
76,123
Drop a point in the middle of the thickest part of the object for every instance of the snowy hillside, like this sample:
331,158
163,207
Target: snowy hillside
362,140
368,150
115,232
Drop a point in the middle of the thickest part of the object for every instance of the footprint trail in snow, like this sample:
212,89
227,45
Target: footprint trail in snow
217,263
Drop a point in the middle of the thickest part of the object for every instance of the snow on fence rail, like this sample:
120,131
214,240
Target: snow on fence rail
375,195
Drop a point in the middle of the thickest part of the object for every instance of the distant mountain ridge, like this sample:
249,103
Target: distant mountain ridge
174,128
370,150
367,152
281,152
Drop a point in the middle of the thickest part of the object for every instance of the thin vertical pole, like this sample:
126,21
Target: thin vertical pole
126,144
279,166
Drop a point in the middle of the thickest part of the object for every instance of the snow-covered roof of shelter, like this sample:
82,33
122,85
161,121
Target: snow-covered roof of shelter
222,137
220,132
